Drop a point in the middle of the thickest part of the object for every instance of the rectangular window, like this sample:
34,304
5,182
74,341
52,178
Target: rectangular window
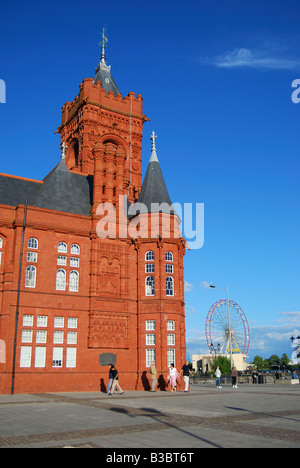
61,260
171,357
59,322
74,262
57,360
58,337
26,336
170,325
71,357
150,356
150,340
42,321
32,257
72,338
150,325
149,268
170,340
41,336
40,357
72,322
27,320
169,268
25,357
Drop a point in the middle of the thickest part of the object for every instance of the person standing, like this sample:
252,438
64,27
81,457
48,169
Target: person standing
186,375
218,377
173,377
110,380
116,383
234,377
153,375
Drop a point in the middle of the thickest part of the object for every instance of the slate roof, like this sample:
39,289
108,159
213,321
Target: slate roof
107,82
61,190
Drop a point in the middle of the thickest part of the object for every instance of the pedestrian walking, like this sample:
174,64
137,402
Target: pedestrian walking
218,377
234,377
116,383
110,379
186,371
153,375
173,375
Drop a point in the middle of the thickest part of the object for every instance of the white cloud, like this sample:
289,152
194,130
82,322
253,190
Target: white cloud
262,59
188,287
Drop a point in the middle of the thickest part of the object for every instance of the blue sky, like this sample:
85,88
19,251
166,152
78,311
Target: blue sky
216,81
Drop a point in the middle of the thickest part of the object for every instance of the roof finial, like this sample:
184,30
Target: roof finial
103,45
63,148
153,153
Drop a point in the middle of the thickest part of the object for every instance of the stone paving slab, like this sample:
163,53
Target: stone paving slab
252,416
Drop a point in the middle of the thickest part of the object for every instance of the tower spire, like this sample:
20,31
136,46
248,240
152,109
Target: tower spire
103,45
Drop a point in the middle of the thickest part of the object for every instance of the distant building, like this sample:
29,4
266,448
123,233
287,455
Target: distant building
203,362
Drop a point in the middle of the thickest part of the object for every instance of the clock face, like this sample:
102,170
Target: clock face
107,80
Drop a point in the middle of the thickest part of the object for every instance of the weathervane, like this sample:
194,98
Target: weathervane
153,138
63,148
103,45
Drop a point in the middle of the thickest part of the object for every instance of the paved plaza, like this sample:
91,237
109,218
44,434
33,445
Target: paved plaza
266,416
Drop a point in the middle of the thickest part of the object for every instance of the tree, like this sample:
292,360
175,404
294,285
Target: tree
224,363
274,361
285,360
258,362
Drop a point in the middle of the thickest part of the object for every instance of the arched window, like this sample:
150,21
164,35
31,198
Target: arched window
74,281
169,286
149,256
169,257
60,280
30,280
62,247
33,243
150,286
75,249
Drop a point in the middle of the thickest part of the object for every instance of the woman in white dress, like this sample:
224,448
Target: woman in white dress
173,374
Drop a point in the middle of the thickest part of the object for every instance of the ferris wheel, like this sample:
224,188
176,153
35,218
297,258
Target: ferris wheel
218,332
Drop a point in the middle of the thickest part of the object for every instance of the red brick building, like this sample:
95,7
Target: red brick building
72,300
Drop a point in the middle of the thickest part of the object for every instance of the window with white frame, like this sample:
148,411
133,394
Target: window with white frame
57,357
150,356
30,279
58,337
170,339
71,338
25,356
72,322
42,321
59,322
26,336
169,286
171,357
32,257
74,281
150,325
170,325
33,243
149,256
75,249
74,262
169,268
62,247
61,260
150,286
169,257
71,357
60,280
149,268
27,320
41,336
40,356
150,339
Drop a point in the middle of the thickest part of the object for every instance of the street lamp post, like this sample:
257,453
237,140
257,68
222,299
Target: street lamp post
229,321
